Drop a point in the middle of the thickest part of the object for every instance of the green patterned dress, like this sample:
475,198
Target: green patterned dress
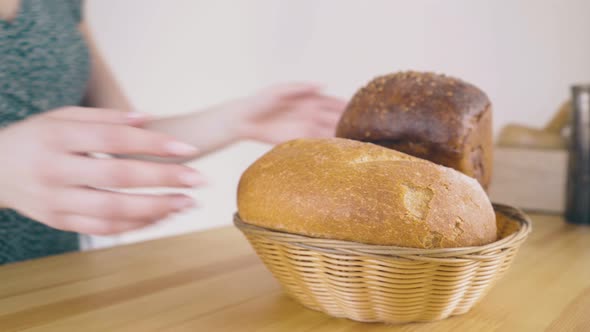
44,64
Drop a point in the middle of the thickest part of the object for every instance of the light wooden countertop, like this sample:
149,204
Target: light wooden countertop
212,281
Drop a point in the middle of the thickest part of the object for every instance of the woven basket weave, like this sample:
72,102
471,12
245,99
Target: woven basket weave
372,283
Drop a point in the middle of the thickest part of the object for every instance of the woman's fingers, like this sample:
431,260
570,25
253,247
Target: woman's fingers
326,119
324,104
118,139
103,204
122,173
321,131
99,115
325,111
97,226
292,90
316,104
332,104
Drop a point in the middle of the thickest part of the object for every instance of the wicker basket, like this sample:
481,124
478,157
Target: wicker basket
372,283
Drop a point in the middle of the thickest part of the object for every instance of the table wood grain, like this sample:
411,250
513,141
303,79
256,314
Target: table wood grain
213,281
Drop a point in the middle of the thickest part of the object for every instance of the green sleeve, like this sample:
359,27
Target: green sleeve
76,8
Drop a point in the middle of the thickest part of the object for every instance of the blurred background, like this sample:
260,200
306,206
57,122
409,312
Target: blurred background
177,56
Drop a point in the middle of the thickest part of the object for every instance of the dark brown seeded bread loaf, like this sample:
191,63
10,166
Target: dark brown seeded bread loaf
430,116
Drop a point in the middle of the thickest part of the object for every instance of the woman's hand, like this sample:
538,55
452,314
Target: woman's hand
48,175
288,111
274,115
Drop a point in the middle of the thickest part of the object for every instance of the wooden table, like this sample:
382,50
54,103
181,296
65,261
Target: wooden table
212,281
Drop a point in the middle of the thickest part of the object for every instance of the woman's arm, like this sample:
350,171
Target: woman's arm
273,115
103,90
49,177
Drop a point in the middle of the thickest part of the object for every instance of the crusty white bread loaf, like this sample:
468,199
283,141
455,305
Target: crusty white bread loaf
348,190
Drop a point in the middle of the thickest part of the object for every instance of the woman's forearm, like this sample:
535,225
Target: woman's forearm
208,130
273,115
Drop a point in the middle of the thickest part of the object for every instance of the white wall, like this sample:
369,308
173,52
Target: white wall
177,55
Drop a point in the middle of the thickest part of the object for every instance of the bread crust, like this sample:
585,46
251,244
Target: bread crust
348,190
430,116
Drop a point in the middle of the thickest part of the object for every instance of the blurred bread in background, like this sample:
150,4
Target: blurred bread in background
552,136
